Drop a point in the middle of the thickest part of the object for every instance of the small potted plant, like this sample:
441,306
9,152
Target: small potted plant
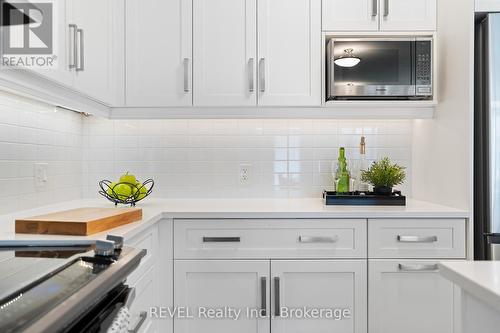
384,175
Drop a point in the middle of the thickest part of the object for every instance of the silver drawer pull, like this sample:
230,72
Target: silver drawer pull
418,268
142,318
318,239
221,239
417,239
277,306
262,74
186,74
263,298
250,75
374,8
74,49
81,63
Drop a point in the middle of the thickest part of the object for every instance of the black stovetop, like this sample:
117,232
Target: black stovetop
34,280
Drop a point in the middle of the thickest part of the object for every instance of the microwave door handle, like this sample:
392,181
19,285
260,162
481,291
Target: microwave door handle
331,71
414,66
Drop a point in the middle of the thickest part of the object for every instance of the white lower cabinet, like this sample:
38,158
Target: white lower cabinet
316,275
409,296
291,296
337,288
146,296
204,285
148,281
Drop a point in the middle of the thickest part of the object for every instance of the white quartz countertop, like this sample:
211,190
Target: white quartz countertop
156,209
478,278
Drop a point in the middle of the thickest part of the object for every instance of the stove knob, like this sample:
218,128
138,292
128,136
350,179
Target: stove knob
118,240
104,248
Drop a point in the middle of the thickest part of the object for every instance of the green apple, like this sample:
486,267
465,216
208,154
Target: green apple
142,191
128,178
123,191
110,190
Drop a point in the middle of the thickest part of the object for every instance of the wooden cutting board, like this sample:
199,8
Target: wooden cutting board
78,222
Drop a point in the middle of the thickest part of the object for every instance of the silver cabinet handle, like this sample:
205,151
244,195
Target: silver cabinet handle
417,239
263,299
73,48
318,239
262,74
81,63
374,8
142,318
417,268
386,8
186,74
221,239
277,306
250,75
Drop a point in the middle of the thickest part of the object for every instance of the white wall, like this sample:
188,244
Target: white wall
442,150
201,158
34,132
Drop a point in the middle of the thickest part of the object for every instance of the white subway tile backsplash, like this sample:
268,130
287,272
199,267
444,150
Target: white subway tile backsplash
200,158
186,158
32,132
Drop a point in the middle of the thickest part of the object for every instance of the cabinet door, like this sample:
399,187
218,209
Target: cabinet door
63,73
407,15
94,47
218,285
224,49
350,15
289,52
146,297
158,49
410,297
330,284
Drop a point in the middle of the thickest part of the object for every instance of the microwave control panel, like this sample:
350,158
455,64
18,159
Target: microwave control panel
424,67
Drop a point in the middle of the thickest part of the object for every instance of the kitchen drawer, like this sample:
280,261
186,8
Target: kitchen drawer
416,238
271,238
148,240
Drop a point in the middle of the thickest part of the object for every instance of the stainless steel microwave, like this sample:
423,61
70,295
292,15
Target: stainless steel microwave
380,68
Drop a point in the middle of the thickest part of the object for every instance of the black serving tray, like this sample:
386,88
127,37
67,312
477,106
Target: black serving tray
364,199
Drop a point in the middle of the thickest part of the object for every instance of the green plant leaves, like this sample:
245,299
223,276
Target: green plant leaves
384,173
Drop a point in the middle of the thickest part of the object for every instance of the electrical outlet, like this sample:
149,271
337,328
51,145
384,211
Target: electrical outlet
41,174
245,173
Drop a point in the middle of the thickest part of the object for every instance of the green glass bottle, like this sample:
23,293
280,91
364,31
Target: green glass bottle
342,173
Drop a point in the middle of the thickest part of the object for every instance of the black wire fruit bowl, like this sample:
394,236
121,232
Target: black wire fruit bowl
138,191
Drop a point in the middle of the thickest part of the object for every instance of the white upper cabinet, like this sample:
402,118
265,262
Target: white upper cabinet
92,30
352,15
224,49
289,48
231,63
379,15
396,15
158,49
62,74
